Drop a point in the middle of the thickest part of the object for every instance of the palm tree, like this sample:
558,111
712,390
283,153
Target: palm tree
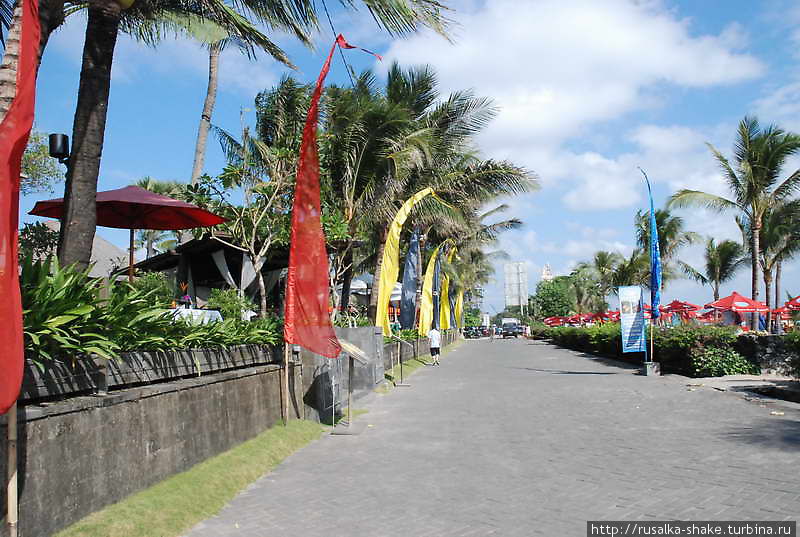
753,181
671,238
780,240
150,238
587,290
603,265
634,270
722,261
106,19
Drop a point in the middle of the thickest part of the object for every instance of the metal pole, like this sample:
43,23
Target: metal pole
130,259
350,392
12,515
285,385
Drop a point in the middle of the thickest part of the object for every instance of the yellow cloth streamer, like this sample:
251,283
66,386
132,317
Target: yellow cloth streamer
426,301
390,264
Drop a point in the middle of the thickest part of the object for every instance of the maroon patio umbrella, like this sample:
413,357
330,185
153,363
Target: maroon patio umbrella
135,208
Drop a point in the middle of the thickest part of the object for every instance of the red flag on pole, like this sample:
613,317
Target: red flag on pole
306,320
14,132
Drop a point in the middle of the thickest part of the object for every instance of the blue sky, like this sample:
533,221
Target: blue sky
588,91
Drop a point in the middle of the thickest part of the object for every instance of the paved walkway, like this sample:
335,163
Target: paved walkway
518,438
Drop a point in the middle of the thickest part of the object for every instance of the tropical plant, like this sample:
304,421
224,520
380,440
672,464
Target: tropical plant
156,286
39,172
554,297
37,241
633,270
230,303
753,179
671,238
602,266
722,261
157,240
780,241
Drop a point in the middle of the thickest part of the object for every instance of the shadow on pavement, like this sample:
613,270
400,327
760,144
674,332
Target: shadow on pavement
562,372
783,434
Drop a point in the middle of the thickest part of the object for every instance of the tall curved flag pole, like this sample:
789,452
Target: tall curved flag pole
655,268
390,263
306,319
14,132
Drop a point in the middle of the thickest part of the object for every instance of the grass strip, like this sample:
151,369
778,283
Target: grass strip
173,506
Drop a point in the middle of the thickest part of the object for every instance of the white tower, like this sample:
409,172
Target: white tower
547,274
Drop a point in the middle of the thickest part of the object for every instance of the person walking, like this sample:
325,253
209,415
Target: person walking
435,338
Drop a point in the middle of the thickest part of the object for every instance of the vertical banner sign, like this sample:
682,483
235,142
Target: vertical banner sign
437,292
631,316
14,132
426,311
408,296
655,258
390,262
306,318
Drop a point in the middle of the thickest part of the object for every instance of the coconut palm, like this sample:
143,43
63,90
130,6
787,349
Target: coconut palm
672,236
722,261
156,239
633,270
603,265
754,182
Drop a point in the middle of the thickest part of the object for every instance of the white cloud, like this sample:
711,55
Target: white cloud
556,67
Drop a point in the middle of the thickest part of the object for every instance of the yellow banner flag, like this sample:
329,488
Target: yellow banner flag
444,300
426,301
390,264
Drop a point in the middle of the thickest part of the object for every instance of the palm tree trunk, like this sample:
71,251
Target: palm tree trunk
768,289
778,283
151,250
372,312
51,16
347,279
716,291
79,220
208,109
755,255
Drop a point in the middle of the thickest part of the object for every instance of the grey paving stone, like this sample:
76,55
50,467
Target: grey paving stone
520,438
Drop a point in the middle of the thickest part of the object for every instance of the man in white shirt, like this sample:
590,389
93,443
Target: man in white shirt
435,338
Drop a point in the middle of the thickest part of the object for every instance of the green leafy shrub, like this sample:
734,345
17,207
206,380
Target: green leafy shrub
792,342
60,312
719,361
157,286
229,303
66,318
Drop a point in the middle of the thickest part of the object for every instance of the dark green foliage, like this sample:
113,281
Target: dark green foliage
792,340
157,286
37,241
675,348
553,298
719,361
229,303
472,316
66,318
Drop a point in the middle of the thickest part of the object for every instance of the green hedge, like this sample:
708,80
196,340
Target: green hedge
792,340
687,350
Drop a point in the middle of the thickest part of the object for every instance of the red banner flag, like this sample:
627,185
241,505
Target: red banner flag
306,320
14,132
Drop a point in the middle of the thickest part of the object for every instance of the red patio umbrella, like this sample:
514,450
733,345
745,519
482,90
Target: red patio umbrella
135,208
782,312
677,306
793,304
738,303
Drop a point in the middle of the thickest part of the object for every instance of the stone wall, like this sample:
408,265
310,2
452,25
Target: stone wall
81,454
325,381
769,351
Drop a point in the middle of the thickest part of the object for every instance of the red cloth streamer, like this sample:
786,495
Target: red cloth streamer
306,319
14,132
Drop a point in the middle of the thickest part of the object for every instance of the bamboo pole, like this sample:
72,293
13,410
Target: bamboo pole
12,512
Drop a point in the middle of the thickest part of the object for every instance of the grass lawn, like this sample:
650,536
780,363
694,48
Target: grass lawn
171,507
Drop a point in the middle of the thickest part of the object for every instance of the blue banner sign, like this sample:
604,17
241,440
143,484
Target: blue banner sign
631,316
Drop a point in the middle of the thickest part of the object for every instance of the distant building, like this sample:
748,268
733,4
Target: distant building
547,274
106,258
